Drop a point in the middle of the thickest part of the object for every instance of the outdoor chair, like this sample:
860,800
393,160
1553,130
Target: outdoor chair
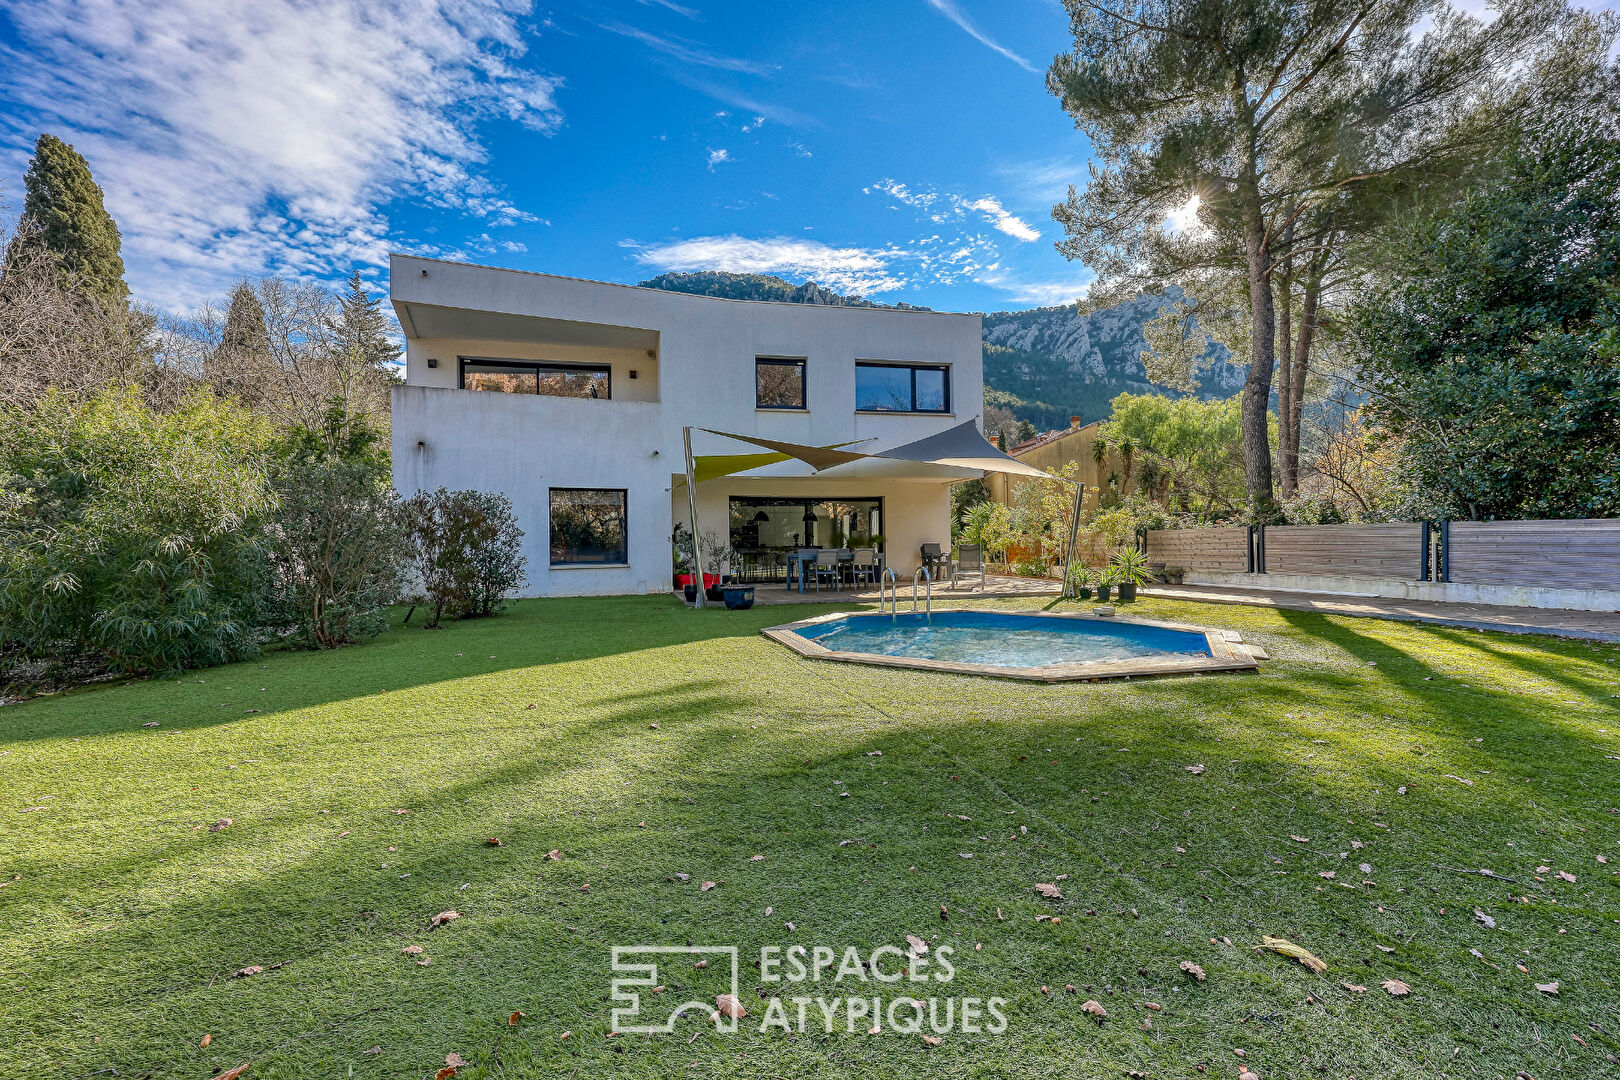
865,566
806,558
827,567
935,561
969,560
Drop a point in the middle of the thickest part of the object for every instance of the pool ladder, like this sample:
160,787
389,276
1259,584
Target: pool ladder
889,592
929,578
889,586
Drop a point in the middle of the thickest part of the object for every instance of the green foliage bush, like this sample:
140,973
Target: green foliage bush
1493,352
131,538
336,537
467,550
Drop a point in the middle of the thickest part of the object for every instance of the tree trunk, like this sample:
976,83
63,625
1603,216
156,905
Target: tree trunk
1262,356
1286,392
1302,362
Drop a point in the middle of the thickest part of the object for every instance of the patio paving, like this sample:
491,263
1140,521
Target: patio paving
968,589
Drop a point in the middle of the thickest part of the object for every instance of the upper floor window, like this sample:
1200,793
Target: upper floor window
923,388
778,383
537,377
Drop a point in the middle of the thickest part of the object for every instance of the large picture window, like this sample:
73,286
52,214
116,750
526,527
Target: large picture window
537,377
589,527
778,383
916,388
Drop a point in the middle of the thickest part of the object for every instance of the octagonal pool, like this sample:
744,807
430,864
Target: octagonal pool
1036,645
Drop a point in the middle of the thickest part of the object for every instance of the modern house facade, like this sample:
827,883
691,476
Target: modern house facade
572,398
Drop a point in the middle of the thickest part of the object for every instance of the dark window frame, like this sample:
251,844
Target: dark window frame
943,369
623,493
538,367
760,501
803,364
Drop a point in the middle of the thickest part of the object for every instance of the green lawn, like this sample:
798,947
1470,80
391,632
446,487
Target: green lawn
643,740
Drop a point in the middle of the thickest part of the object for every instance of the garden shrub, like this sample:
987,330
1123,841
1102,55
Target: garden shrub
467,551
336,536
131,539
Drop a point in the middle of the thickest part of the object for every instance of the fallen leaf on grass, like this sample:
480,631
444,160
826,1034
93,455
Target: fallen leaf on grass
454,1060
1565,875
412,950
206,1039
874,753
222,823
1396,988
242,973
1459,779
511,1021
1385,948
1299,839
1192,969
918,945
444,1074
1353,988
930,1040
756,858
1094,1008
1247,1075
494,841
1288,948
554,855
706,886
728,1006
1547,988
375,1050
234,1073
1484,919
443,917
1051,892
1195,769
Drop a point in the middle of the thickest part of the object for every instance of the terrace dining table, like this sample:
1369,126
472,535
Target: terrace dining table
796,564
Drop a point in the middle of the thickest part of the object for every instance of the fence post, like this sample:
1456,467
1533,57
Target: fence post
1445,552
1423,560
1248,561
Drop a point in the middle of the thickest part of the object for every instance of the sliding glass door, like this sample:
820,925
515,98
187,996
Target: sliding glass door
764,523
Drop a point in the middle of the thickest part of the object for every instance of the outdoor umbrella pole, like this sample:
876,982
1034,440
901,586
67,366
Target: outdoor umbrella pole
691,509
1074,528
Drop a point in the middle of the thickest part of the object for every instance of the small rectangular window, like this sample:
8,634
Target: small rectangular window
778,383
589,526
537,377
924,388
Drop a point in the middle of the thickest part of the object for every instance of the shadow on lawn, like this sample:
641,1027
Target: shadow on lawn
531,634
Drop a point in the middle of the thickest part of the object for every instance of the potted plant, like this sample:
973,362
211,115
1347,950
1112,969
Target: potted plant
1130,569
1105,583
738,597
1081,577
716,557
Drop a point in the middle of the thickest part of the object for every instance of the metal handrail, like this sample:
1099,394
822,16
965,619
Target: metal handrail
926,576
889,576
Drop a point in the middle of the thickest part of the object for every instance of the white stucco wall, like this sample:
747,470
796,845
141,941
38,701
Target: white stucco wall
694,358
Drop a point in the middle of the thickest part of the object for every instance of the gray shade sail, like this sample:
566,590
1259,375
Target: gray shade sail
961,447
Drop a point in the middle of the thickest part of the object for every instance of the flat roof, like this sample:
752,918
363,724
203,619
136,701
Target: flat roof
677,292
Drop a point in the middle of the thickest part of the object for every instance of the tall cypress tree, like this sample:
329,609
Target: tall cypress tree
63,212
245,331
361,329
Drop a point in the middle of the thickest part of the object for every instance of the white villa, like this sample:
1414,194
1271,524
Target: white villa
571,397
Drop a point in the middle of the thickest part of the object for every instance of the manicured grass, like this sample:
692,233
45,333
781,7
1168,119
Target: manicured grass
643,740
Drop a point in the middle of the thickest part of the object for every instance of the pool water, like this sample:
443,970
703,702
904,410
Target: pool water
1002,639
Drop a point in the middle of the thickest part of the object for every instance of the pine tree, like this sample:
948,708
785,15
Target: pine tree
64,214
361,328
244,323
241,366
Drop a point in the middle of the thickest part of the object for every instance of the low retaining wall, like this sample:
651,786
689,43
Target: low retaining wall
1396,589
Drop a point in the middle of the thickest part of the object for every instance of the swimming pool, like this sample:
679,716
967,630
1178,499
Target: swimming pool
1031,645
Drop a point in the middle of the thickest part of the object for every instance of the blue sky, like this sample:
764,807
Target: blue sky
905,149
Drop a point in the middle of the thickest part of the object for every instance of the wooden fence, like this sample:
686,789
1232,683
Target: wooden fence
1540,554
1224,548
1545,554
1380,551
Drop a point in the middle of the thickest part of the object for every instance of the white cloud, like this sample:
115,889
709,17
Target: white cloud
669,5
754,125
688,52
717,157
949,9
234,140
941,206
846,269
1013,226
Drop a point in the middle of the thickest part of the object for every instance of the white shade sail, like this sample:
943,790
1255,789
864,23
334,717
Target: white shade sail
960,447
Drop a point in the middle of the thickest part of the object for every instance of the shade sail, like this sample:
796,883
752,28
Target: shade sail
713,466
961,447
